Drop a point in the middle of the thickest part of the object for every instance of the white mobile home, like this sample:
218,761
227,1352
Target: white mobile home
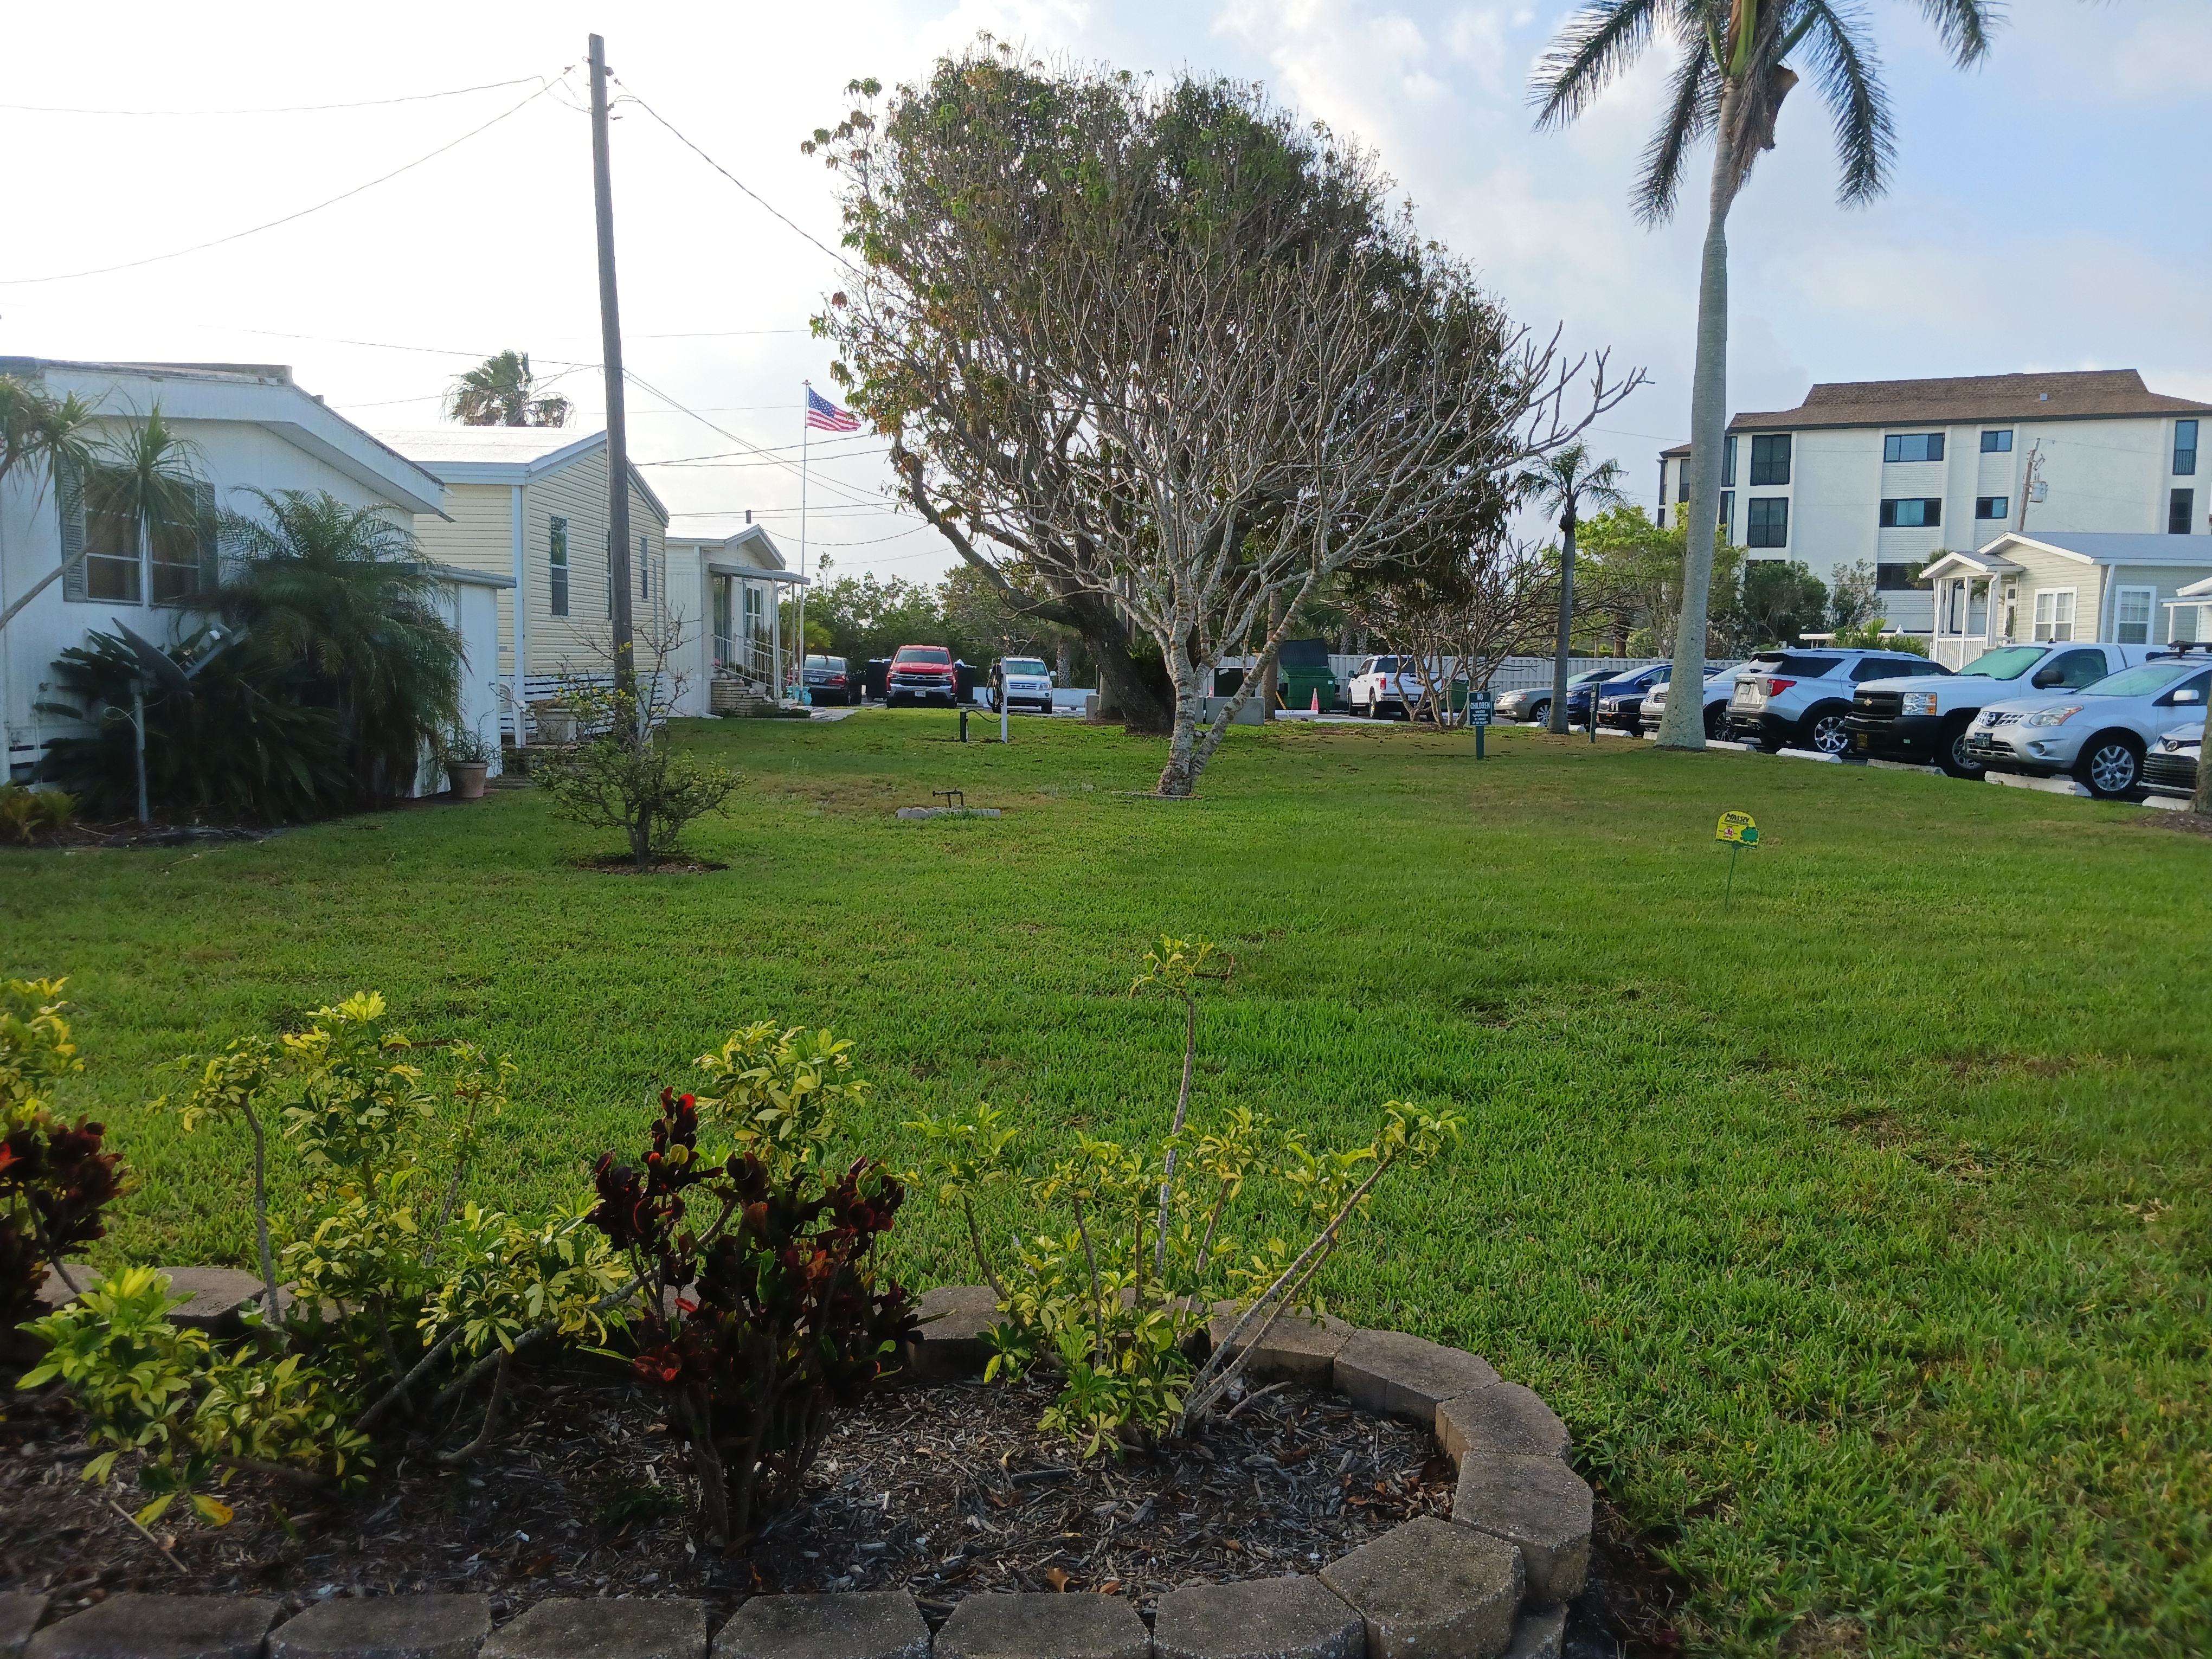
252,429
738,573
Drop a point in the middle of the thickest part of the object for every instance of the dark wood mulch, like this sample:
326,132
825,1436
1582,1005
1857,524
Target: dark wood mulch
622,865
949,1491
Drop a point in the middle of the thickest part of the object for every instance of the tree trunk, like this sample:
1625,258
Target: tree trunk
1566,624
1123,688
1271,692
1179,777
1683,726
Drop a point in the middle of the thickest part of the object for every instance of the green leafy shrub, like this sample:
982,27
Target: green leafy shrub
56,1179
27,814
1875,634
1113,1297
762,1321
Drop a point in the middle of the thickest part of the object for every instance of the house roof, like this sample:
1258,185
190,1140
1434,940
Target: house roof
2083,394
2196,590
506,454
1982,563
1676,452
2085,547
259,394
744,542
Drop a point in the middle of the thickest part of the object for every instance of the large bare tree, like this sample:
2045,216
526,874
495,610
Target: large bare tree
1212,373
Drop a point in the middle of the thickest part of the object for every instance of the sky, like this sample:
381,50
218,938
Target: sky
2048,210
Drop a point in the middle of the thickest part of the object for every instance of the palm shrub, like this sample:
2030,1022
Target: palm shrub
341,591
248,741
765,1308
1126,1260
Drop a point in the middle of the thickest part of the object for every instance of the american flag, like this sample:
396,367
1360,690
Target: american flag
825,417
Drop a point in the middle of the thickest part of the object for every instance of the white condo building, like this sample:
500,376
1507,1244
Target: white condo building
1899,472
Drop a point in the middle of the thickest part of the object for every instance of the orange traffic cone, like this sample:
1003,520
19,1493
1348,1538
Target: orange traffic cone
1316,699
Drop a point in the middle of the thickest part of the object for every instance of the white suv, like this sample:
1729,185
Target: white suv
1381,681
2099,733
1800,699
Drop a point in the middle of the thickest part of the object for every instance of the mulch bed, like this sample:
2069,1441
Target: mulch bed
950,1491
625,865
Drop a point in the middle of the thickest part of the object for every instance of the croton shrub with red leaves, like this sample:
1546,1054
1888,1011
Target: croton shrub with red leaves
56,1178
764,1309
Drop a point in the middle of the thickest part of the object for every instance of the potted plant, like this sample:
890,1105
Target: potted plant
555,722
468,760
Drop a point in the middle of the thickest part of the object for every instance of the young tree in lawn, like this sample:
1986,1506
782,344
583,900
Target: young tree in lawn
1729,83
1564,480
1459,618
503,391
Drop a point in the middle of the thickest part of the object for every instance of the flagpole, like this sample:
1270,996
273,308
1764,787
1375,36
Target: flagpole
805,440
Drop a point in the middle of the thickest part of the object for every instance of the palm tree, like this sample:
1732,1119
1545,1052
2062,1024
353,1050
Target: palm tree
340,590
503,391
1564,479
147,480
54,433
1729,82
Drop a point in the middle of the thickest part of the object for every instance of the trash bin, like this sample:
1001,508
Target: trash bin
1301,669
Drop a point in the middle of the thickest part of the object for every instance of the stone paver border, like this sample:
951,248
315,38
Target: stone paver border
1490,1584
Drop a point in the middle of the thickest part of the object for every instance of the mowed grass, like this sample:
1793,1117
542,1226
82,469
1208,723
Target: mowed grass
1859,1233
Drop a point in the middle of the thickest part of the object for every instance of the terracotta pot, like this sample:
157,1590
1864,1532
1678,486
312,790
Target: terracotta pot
468,781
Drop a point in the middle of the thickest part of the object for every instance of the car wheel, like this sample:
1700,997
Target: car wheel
1717,721
1823,732
2110,765
1956,759
1539,713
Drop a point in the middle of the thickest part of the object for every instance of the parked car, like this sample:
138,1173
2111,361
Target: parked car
1719,682
1380,682
1800,699
2099,734
1620,699
1021,683
1534,702
2170,764
922,674
1908,719
826,681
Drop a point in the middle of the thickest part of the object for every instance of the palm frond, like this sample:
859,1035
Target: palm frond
1599,44
1965,26
1840,49
1693,107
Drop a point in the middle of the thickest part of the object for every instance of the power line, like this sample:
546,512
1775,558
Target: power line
279,109
238,235
630,97
788,465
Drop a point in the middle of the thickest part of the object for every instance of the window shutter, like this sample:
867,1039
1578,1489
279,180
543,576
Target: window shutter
68,502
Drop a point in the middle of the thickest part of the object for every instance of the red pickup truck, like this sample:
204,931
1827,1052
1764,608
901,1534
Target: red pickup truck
922,674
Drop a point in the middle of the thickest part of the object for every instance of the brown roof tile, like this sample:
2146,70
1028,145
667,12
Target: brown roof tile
2075,395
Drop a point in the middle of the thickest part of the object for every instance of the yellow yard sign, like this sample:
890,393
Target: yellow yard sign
1737,827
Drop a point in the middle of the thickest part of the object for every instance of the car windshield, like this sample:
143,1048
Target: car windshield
1383,665
1593,676
2147,681
2007,662
831,662
929,654
1023,666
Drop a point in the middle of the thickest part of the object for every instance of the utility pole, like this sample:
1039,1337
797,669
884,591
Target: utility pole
603,196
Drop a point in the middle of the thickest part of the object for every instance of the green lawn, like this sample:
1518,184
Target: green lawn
1860,1234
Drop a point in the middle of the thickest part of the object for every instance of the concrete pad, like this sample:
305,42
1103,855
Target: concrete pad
1810,754
2166,802
1298,1347
1289,1618
948,813
1540,1635
1538,1504
953,1319
1082,1626
568,1628
2048,786
214,1297
435,1626
132,1625
19,1613
1503,1417
863,1625
1425,1593
1405,1376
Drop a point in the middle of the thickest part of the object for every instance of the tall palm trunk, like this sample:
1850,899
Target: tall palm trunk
1566,623
1683,725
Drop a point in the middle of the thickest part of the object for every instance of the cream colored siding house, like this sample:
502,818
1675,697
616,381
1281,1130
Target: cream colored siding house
531,503
1894,472
252,427
2057,586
